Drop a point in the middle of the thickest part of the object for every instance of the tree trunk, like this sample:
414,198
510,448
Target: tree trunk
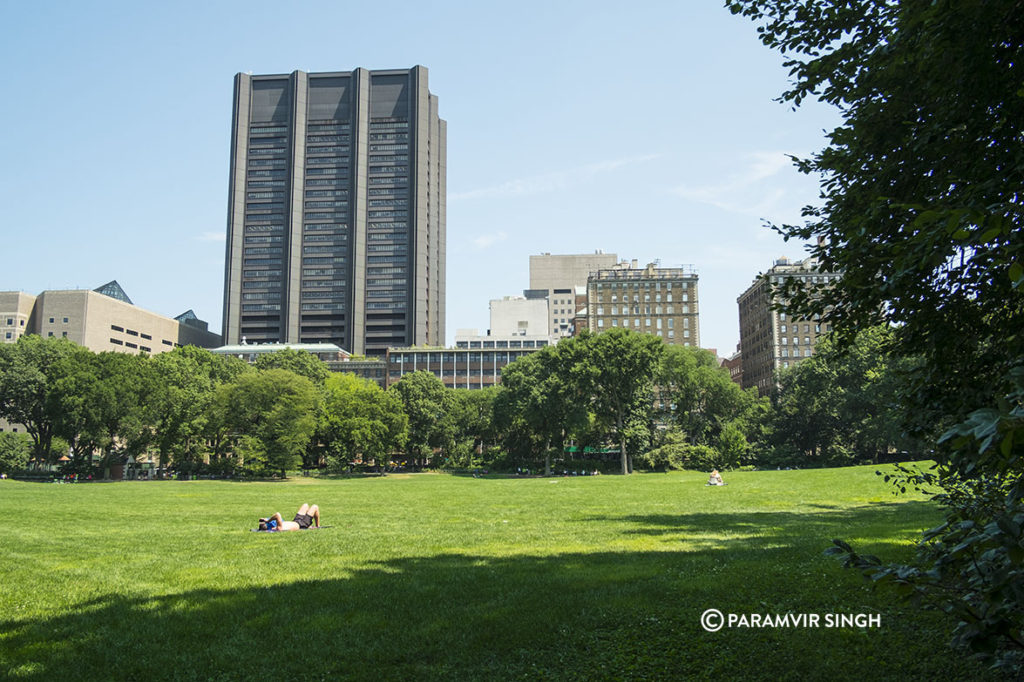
622,446
547,458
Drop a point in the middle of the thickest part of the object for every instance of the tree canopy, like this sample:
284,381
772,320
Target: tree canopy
921,215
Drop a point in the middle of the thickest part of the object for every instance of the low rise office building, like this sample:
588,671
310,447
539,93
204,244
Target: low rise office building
103,319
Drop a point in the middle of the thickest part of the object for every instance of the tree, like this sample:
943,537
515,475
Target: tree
472,417
359,418
15,449
187,377
123,397
272,413
920,184
298,361
29,374
423,400
617,369
706,404
538,394
921,215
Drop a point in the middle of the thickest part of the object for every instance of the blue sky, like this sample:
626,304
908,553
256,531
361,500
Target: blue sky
644,129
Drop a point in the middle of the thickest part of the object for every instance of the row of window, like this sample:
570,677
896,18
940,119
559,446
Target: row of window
389,137
325,227
377,271
381,170
325,237
268,130
315,215
636,286
328,128
327,193
308,307
129,344
392,226
389,158
318,260
669,310
647,298
647,324
387,236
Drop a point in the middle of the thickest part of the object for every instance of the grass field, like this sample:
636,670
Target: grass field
432,576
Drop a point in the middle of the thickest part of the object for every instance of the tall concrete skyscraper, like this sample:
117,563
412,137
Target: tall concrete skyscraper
336,211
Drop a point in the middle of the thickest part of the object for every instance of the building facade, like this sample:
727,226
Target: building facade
662,302
100,321
773,339
475,362
15,315
519,316
336,211
560,276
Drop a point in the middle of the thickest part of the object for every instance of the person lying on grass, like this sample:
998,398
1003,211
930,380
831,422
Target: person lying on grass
304,518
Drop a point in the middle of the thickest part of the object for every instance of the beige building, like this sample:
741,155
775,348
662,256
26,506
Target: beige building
658,301
15,315
519,316
106,321
559,276
773,339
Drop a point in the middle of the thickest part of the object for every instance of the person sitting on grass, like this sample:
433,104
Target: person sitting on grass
715,478
304,518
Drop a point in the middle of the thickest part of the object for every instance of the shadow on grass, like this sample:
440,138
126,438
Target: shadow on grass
603,615
899,521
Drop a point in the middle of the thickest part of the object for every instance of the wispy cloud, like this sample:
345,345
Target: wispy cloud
754,189
210,237
549,182
487,240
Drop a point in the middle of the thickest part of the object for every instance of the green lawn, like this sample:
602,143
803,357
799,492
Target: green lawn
432,576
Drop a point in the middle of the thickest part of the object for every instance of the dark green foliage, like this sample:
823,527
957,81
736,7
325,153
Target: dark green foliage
298,361
539,404
273,413
359,420
921,213
15,449
471,413
842,406
708,407
423,398
29,373
616,369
